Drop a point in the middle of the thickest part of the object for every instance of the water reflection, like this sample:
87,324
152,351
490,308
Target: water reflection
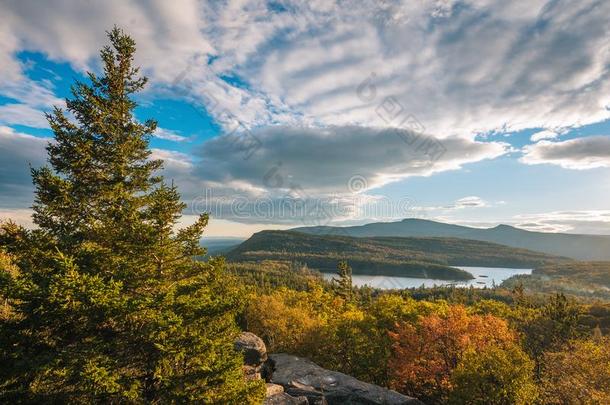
484,277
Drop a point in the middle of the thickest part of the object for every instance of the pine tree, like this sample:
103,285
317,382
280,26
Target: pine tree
107,303
343,284
519,296
563,315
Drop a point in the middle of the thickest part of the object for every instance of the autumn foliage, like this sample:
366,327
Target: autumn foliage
426,353
579,374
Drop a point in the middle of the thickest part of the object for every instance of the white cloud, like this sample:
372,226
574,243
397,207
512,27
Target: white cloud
170,135
33,97
22,114
467,67
167,35
579,154
10,68
481,68
471,202
546,134
595,222
172,161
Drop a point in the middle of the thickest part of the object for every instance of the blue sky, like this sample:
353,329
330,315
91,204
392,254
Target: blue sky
260,103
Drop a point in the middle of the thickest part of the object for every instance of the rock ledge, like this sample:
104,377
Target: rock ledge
301,377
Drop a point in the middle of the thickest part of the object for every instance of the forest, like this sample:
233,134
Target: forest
441,345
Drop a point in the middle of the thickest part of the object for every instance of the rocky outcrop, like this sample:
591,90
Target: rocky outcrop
258,366
293,380
301,377
255,354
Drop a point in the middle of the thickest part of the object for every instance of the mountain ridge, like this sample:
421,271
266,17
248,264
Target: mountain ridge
575,246
394,256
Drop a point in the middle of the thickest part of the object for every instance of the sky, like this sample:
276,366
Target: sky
279,114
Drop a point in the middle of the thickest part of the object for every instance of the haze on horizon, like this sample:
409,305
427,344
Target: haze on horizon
280,114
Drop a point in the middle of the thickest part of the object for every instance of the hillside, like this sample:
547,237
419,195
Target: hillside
410,257
579,247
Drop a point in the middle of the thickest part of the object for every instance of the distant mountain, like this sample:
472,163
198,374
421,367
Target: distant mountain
409,257
580,247
216,246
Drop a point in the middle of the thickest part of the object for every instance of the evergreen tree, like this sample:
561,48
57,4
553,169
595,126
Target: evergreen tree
563,315
554,326
107,303
343,284
519,296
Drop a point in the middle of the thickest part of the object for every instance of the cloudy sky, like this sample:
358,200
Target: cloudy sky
275,114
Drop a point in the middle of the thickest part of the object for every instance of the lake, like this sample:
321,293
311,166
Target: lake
484,277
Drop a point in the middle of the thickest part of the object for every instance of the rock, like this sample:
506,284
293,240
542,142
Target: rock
285,399
313,397
273,389
275,392
300,376
253,348
255,354
251,373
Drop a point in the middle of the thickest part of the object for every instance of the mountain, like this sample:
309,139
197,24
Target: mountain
395,256
216,246
580,247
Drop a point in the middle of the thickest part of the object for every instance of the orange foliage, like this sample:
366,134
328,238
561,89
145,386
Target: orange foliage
425,353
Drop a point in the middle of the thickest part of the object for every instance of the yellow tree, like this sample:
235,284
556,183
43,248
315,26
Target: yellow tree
579,374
